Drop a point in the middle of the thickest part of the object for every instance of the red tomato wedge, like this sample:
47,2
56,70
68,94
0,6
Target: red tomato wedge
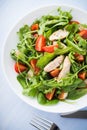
50,48
83,34
82,75
40,43
34,27
73,21
37,70
79,57
19,67
54,73
50,95
33,64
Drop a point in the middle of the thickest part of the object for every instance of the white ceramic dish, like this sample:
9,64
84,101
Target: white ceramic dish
7,62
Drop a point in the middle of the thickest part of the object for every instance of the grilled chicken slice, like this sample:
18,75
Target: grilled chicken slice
66,68
54,64
62,95
60,34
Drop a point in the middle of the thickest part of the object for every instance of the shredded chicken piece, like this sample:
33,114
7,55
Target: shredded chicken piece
54,64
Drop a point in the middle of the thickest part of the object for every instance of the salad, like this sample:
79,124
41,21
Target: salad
51,58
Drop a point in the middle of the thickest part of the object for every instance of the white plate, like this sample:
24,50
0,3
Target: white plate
7,62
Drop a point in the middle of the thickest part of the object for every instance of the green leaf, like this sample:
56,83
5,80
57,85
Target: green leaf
30,92
22,31
77,84
45,59
75,47
13,55
22,80
81,42
72,28
75,66
75,94
41,98
62,51
52,102
66,14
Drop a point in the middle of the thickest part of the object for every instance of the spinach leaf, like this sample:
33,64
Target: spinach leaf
41,98
52,102
45,59
65,14
75,94
77,84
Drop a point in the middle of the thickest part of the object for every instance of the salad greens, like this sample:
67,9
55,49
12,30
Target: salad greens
39,47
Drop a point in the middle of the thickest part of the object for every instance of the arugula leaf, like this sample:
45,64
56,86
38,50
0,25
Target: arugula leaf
13,54
41,98
75,47
49,22
65,14
81,42
77,84
22,31
75,66
72,28
22,80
